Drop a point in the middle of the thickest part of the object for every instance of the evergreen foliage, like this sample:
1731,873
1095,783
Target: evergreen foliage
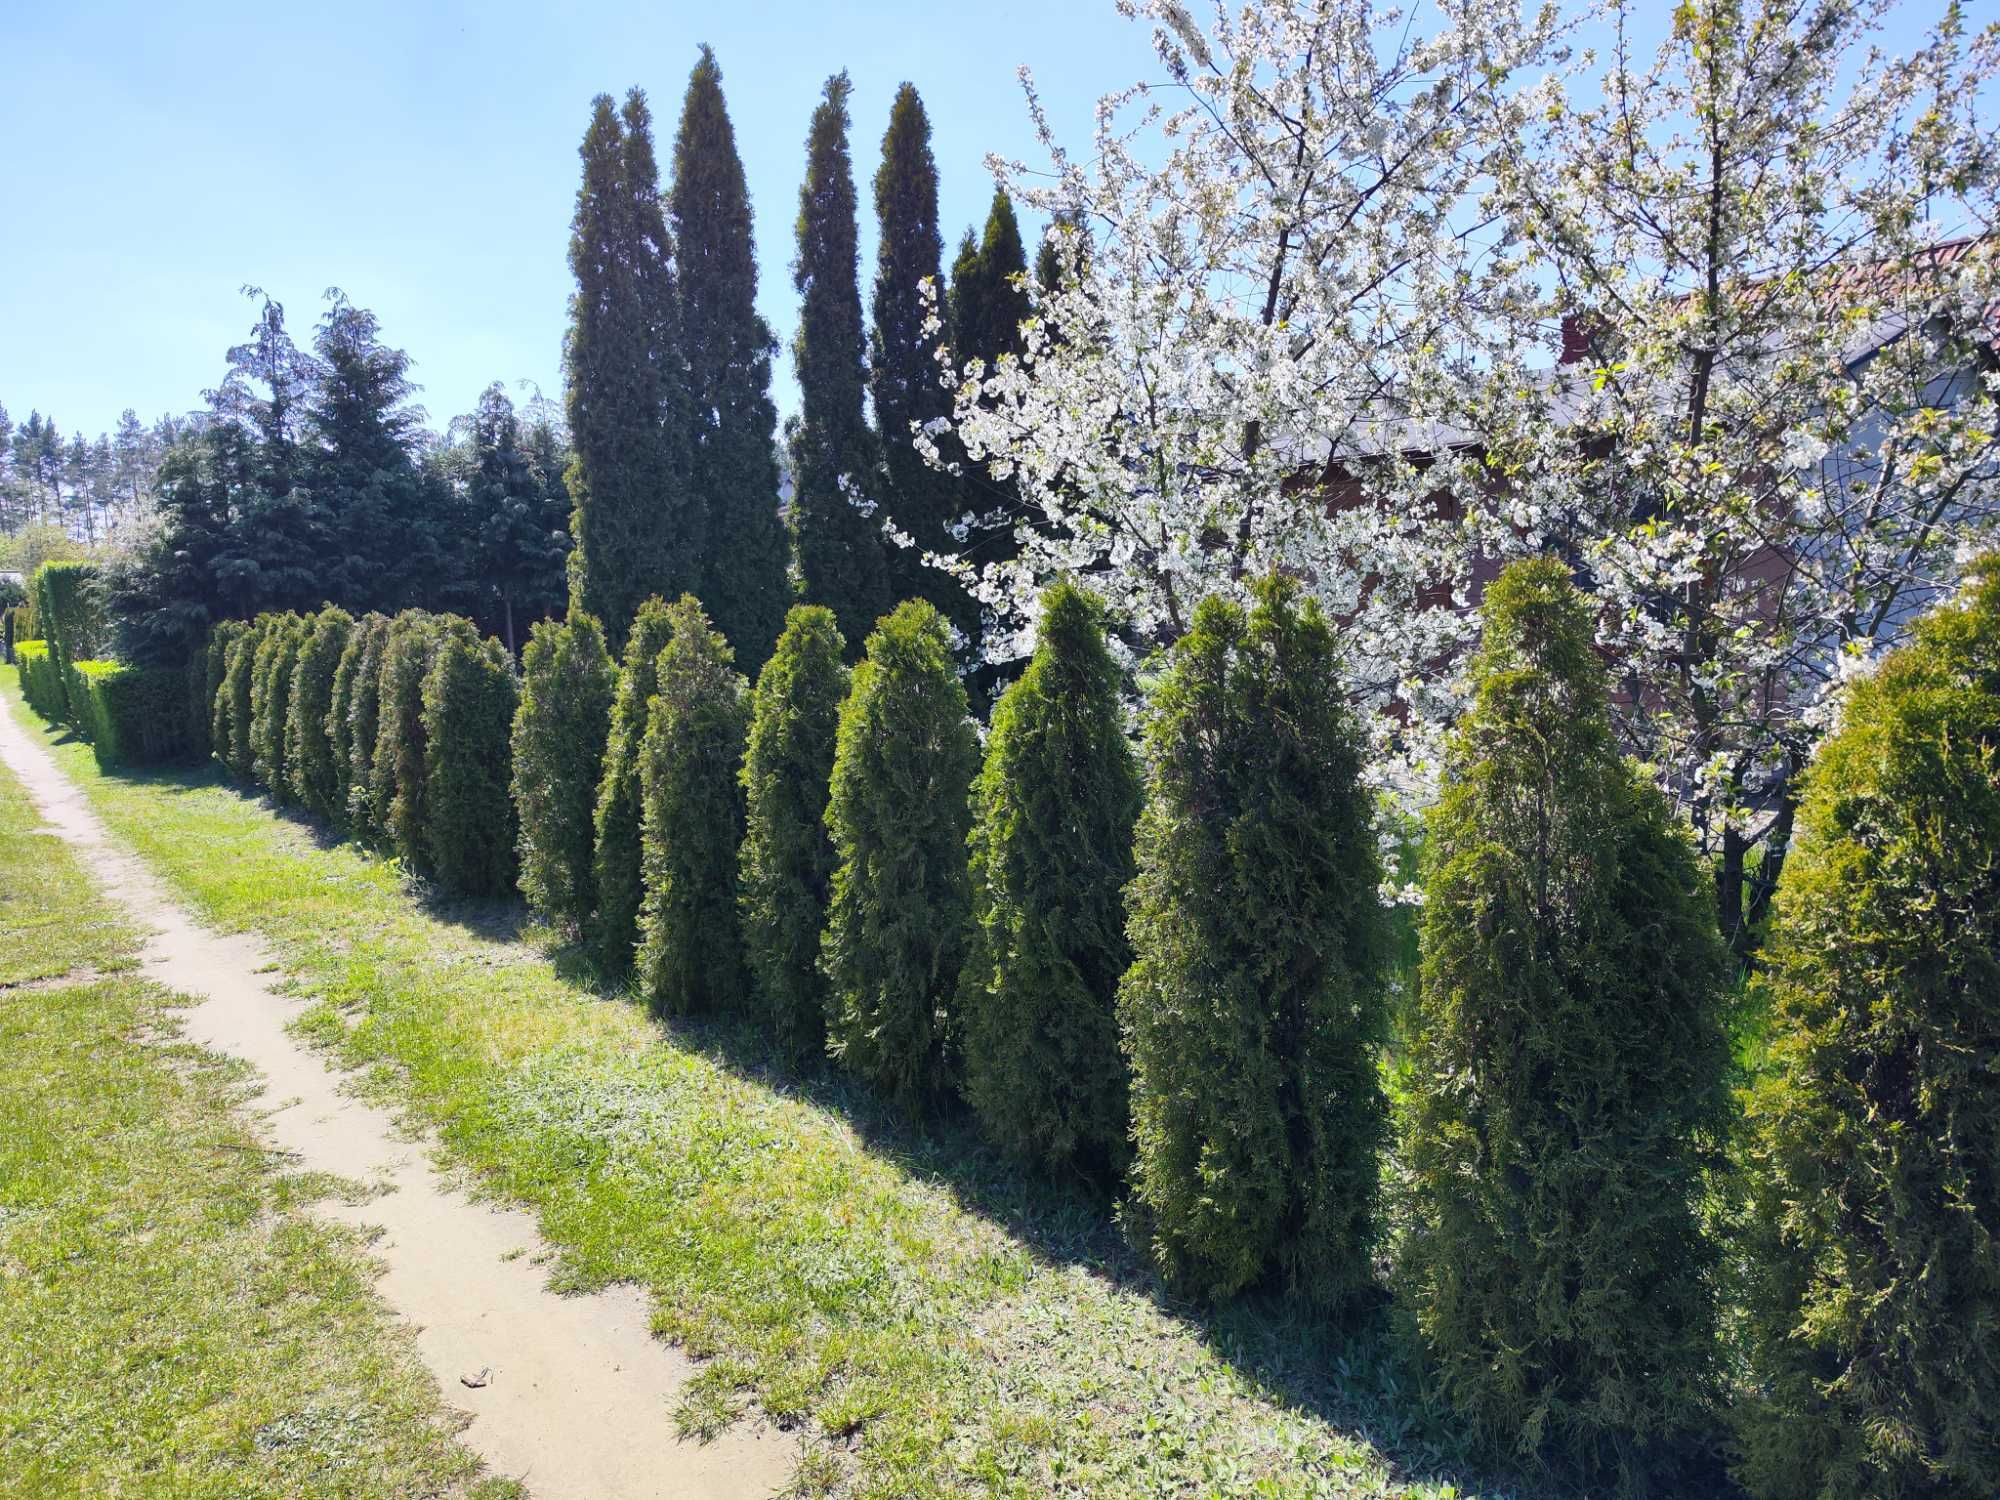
1568,1083
231,726
840,555
132,716
41,679
1054,810
69,612
568,681
1253,1007
1874,1298
396,782
897,812
309,752
469,696
360,662
690,955
618,821
785,871
271,699
215,667
364,719
520,511
728,348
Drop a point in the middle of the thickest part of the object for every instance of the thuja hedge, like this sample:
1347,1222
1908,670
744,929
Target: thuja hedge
468,714
270,696
396,793
357,715
41,679
620,813
568,681
1874,1298
132,716
68,613
310,766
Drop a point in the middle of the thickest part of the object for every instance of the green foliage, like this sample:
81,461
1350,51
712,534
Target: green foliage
356,680
310,765
214,666
728,348
132,716
396,778
1568,1086
69,613
785,871
1054,809
568,681
41,679
9,619
841,560
271,699
469,695
897,812
615,859
232,723
690,950
367,646
1253,1008
1874,1296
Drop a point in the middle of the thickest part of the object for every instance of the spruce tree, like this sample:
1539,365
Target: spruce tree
785,872
619,818
1253,1009
904,376
309,753
638,526
728,349
1567,1086
1874,1145
897,812
690,956
568,680
1054,808
840,554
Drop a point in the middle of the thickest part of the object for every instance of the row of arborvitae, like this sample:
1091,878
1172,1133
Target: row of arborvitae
394,728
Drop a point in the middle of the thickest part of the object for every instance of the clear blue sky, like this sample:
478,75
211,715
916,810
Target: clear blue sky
423,158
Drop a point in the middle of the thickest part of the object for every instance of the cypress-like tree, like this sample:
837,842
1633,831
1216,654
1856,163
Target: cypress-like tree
897,811
785,873
841,560
639,528
619,819
350,677
309,755
904,377
1253,1009
270,700
728,352
396,792
1054,809
1568,1084
1874,1150
690,948
222,652
365,725
469,696
230,730
568,680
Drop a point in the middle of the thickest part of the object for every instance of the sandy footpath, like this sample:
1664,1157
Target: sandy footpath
578,1394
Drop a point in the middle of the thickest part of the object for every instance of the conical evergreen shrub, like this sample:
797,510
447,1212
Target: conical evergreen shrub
309,753
620,815
233,700
220,640
1054,809
785,871
469,697
365,730
690,955
1874,1297
567,683
1568,1088
1253,1009
270,700
897,813
356,675
396,791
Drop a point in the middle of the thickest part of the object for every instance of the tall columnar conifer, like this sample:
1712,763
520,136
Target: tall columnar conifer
1567,1090
840,552
309,755
619,818
568,680
1054,809
785,872
1253,1009
690,956
904,377
728,349
898,815
638,524
1874,1149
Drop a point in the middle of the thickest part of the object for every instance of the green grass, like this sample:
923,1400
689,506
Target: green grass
172,1321
928,1318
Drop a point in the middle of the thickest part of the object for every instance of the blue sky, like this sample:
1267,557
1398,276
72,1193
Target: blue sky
423,158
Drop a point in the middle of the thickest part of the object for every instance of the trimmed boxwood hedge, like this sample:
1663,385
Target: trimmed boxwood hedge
468,715
41,679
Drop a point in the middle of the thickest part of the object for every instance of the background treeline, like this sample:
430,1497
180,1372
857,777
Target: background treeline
88,489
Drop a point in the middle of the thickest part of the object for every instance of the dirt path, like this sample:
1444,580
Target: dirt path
579,1396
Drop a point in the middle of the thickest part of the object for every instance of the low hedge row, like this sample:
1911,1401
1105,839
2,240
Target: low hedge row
133,716
41,680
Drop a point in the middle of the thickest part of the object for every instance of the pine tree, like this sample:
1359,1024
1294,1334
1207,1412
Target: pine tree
690,956
639,527
1567,1087
728,351
618,822
785,872
904,376
309,751
898,816
1054,809
568,681
1874,1229
1253,1009
841,559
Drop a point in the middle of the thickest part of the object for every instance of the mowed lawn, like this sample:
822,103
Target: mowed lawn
172,1320
931,1319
